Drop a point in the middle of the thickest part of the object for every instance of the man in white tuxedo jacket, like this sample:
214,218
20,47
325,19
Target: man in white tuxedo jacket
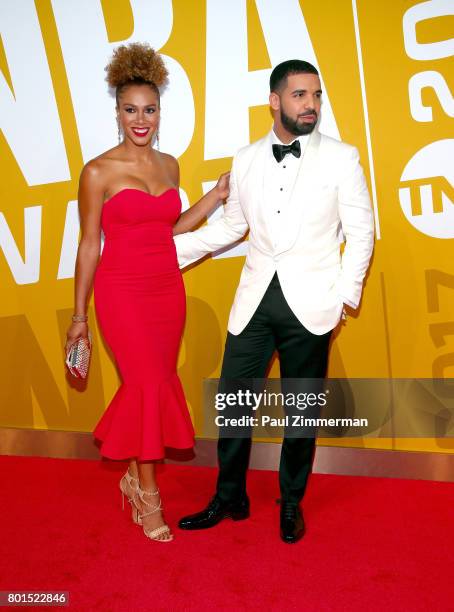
297,192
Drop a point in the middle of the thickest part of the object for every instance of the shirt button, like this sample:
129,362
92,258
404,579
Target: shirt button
278,211
281,189
284,166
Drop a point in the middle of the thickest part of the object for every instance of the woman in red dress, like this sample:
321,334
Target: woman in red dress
131,193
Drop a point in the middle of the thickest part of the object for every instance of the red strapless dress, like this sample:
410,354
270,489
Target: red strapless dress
140,305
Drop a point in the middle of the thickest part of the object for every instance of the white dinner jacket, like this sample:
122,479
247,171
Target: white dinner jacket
329,198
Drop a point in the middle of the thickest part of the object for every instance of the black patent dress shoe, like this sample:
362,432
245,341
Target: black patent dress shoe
292,523
216,511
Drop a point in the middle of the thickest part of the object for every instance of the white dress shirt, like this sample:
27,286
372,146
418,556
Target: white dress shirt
278,183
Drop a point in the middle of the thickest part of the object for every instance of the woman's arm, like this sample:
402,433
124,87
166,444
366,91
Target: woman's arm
91,198
197,212
225,230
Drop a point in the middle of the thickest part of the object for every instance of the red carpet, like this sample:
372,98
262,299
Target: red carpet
371,544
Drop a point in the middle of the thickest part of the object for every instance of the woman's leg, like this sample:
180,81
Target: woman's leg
150,499
129,485
133,468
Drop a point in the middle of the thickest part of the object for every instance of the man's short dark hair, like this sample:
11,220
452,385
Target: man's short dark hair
278,77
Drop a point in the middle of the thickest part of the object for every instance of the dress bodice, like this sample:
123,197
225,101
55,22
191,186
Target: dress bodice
134,210
138,230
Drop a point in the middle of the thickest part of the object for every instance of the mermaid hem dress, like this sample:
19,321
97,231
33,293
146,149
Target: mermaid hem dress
140,306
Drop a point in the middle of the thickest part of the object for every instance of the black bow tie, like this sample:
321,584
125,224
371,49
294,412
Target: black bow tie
280,151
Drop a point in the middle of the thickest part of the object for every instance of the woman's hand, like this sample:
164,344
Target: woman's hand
76,331
197,213
223,187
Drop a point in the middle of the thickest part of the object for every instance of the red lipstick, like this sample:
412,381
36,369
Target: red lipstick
140,132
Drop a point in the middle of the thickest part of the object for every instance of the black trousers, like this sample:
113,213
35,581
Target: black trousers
247,355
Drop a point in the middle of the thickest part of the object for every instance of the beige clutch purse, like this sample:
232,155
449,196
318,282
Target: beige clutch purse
78,357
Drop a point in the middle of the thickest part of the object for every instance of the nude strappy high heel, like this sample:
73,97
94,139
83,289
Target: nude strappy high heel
133,483
154,533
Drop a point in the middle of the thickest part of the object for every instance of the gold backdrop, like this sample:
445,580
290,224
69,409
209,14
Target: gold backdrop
386,70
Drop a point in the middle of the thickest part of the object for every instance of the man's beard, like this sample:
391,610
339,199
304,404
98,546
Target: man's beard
295,127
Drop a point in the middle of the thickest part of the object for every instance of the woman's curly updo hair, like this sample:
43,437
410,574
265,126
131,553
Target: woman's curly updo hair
135,64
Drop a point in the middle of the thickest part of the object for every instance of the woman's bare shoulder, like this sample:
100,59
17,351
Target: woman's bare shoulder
105,159
171,165
101,167
167,158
